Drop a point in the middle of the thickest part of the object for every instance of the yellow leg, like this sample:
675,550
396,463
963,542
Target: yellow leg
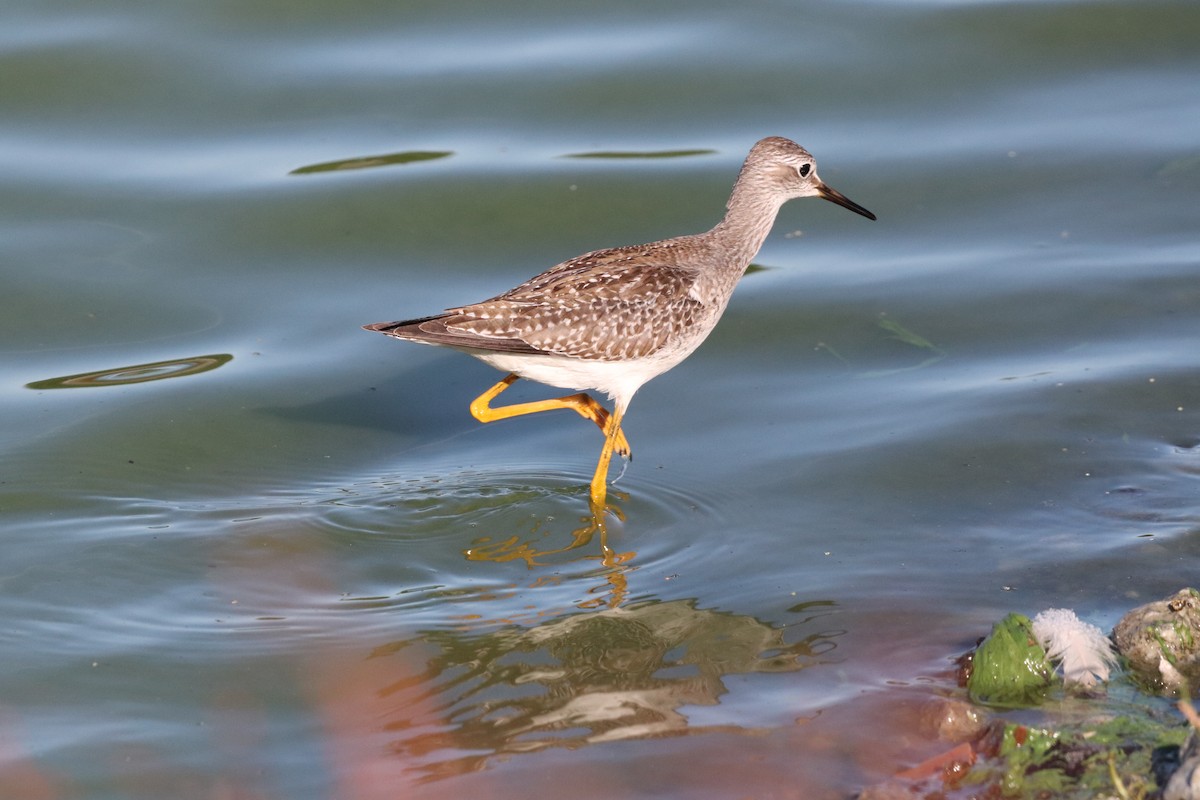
581,403
600,479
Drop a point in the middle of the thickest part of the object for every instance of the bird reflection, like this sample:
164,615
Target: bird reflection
531,550
585,678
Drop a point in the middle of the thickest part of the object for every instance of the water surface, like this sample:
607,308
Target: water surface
257,551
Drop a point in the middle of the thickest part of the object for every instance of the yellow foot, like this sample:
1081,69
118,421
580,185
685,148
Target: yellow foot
621,446
599,486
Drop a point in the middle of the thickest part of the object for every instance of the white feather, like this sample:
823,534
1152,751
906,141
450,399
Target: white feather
1082,650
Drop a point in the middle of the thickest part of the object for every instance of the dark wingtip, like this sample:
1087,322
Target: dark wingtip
391,327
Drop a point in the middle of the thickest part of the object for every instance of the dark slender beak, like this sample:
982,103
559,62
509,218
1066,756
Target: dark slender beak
834,196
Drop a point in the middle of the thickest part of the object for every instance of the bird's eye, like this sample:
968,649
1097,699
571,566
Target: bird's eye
804,170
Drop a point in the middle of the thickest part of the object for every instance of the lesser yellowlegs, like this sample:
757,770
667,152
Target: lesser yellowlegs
613,319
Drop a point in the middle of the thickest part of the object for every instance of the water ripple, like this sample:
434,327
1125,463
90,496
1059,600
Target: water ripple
137,373
364,162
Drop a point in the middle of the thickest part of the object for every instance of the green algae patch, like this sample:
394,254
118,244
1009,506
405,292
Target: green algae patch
1010,668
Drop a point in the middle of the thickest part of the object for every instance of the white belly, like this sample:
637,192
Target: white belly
617,379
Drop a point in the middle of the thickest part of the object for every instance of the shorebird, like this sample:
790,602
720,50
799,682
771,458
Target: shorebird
610,320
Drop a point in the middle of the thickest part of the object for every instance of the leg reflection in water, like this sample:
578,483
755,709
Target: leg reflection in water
530,550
